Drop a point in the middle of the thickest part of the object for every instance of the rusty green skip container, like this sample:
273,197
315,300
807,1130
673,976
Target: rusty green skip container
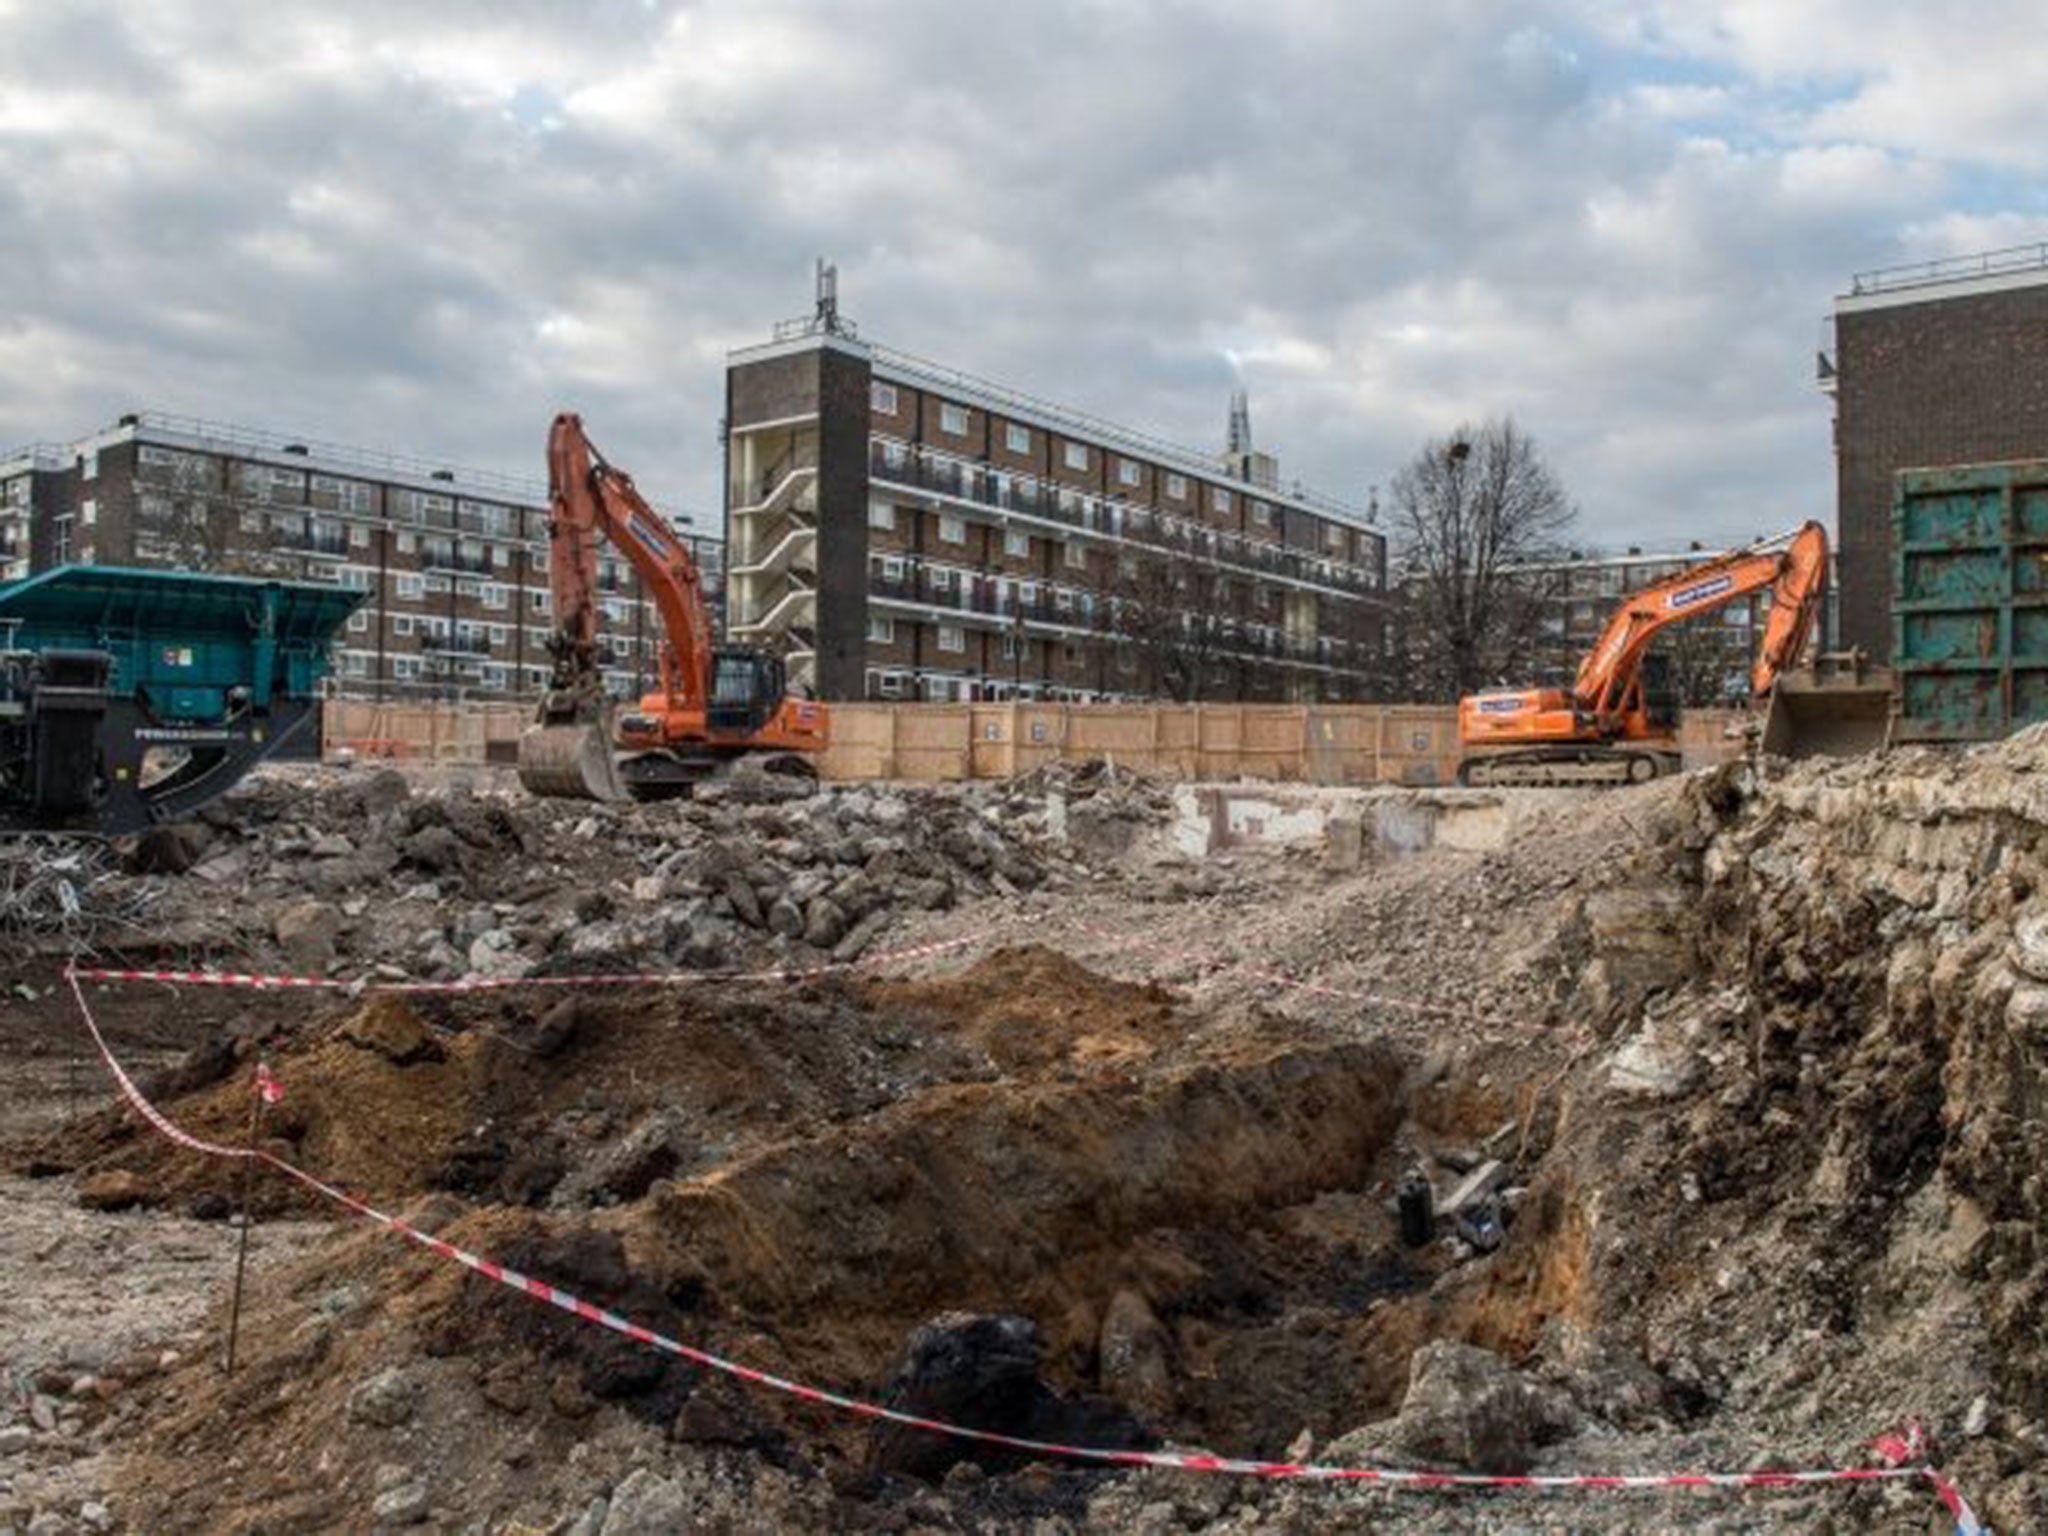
1969,600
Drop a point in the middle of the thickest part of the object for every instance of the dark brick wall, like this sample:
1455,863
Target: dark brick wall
1946,381
773,389
52,494
843,392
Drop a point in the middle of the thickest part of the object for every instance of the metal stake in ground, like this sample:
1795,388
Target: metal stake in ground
268,1090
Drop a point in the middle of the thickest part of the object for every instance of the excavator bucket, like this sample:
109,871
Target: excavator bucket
572,761
1838,707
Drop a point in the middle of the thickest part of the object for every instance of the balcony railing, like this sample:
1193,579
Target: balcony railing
951,477
452,560
464,645
330,544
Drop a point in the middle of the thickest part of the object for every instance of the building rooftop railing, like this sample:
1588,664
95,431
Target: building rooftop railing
36,456
1097,429
1950,269
532,491
449,479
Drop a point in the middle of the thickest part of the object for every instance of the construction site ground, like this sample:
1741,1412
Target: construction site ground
1728,1090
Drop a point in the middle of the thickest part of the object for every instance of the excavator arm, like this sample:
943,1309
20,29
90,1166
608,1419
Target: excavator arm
568,751
716,709
1794,571
1605,727
590,498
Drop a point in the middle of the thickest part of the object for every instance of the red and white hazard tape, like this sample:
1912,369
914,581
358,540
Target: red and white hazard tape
1903,1454
265,981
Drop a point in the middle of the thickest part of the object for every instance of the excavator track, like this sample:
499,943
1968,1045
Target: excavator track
1551,767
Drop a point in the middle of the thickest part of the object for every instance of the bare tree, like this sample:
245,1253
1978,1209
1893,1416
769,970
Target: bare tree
1175,614
189,531
1471,514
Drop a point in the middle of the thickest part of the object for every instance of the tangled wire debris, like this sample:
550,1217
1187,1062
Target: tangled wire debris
70,890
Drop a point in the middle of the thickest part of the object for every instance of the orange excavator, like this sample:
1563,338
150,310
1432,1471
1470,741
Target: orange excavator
1618,723
717,707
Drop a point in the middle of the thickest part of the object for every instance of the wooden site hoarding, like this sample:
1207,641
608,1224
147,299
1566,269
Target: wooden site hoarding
1290,743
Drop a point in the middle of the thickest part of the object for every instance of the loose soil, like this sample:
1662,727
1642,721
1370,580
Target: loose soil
1756,1059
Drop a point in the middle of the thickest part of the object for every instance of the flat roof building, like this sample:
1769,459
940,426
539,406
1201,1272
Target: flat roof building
1932,365
454,560
899,529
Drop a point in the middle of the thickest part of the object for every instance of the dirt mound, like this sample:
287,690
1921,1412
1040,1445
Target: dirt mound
1178,1201
1030,1006
371,1098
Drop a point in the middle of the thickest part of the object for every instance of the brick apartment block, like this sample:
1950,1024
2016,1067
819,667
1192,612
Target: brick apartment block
455,561
1938,364
900,530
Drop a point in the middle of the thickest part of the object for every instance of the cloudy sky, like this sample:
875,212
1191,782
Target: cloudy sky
427,226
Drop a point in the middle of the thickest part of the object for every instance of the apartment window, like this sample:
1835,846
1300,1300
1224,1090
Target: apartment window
501,554
405,669
540,600
354,577
407,542
88,512
942,578
1219,498
1027,591
358,622
952,530
953,420
1077,556
1177,487
1075,455
1127,472
882,514
1017,439
882,397
499,633
355,664
1010,646
494,595
952,638
251,522
882,631
359,535
401,625
892,568
410,585
1262,514
1017,542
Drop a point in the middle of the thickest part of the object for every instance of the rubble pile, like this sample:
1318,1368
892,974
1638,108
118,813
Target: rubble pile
1743,1169
310,871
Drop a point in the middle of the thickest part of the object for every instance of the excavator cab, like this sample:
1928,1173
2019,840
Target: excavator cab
747,687
1660,694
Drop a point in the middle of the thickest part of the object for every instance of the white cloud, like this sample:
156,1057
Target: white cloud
429,227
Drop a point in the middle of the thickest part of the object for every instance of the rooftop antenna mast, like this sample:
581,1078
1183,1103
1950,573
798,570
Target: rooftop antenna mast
1240,421
828,298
